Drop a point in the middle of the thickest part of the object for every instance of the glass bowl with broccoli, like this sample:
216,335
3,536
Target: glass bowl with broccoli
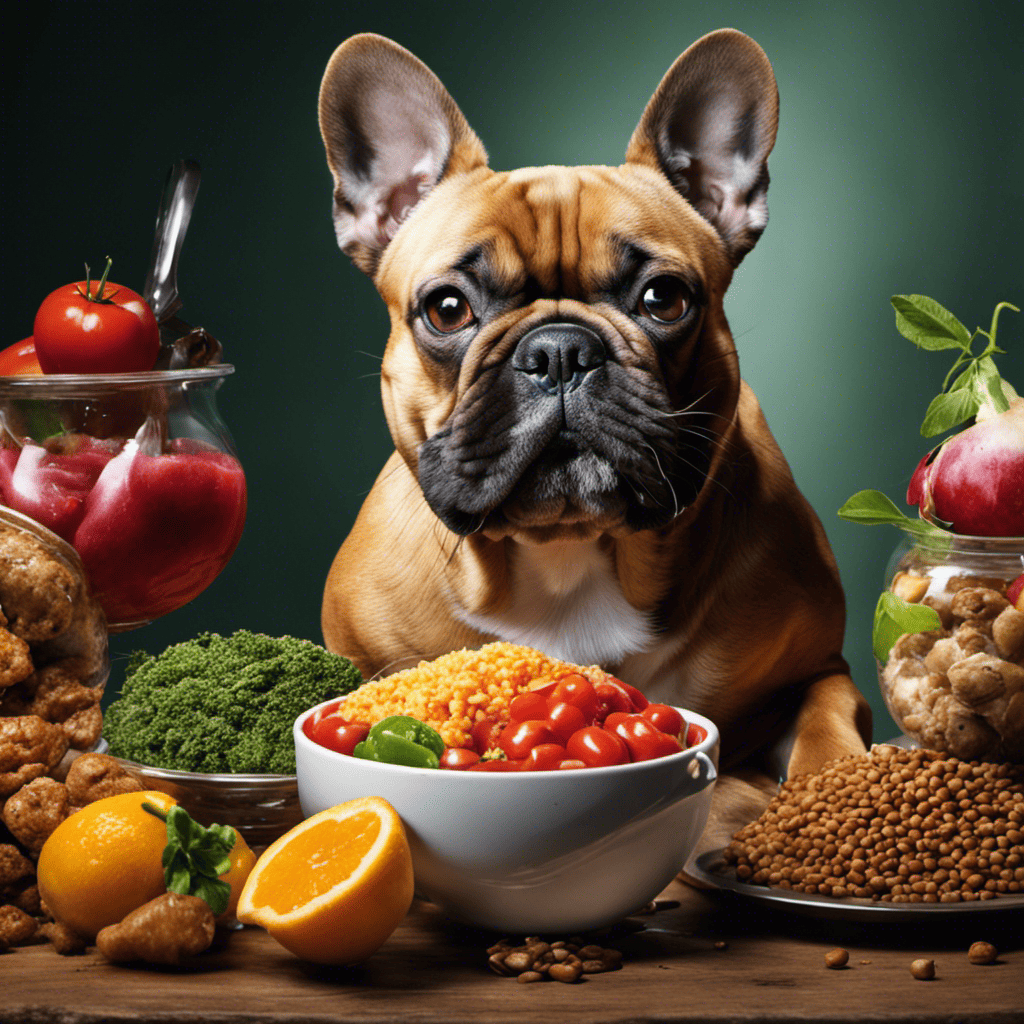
209,721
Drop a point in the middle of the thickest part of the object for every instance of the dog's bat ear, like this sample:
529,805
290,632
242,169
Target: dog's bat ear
709,128
392,132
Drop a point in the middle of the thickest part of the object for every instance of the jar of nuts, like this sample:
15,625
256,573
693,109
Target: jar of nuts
958,685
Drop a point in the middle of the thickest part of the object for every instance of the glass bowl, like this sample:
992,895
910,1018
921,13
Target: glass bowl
959,688
136,471
261,807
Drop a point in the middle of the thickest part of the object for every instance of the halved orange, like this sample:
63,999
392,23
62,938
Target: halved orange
334,888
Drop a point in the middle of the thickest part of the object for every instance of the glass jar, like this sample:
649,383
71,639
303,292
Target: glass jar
136,471
959,687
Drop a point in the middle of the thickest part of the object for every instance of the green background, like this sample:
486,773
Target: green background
898,168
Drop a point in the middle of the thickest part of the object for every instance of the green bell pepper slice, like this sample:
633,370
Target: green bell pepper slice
401,739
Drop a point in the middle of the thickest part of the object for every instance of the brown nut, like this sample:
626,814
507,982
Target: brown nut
982,953
14,865
15,659
94,776
519,960
16,927
29,747
527,976
566,972
35,811
923,970
836,959
65,941
36,589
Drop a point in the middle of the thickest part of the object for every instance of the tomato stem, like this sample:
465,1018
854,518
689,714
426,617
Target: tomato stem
100,288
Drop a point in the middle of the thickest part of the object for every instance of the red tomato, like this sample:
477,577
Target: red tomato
579,691
564,719
458,758
518,738
636,698
664,717
544,757
335,733
596,747
19,359
695,734
613,698
644,741
327,709
87,327
499,765
485,735
530,704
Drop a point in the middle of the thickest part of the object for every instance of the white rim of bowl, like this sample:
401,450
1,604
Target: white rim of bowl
692,718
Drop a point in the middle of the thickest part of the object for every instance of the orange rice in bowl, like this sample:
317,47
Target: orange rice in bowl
452,693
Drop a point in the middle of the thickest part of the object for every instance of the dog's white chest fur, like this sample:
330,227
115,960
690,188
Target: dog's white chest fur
567,602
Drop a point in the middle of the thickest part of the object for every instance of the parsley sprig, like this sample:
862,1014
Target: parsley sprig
195,857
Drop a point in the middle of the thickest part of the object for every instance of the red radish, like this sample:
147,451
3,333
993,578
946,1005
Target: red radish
974,480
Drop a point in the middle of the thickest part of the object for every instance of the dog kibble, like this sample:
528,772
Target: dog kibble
923,970
836,959
893,825
982,953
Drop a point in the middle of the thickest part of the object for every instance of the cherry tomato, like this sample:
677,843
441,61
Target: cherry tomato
596,747
579,691
564,719
636,698
335,733
19,359
613,698
530,704
458,758
485,735
518,738
88,327
498,765
665,718
544,757
695,734
644,741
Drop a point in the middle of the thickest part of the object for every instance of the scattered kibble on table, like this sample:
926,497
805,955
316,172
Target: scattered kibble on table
836,959
923,970
982,953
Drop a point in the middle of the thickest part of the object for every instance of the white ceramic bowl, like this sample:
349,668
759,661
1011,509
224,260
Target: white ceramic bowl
533,852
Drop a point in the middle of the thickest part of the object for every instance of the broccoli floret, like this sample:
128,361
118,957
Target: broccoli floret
223,704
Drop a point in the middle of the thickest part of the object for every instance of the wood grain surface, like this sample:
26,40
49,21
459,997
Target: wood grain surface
771,969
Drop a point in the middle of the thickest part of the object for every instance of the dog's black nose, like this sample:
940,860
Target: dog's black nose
556,357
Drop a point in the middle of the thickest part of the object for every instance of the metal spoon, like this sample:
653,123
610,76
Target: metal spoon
179,196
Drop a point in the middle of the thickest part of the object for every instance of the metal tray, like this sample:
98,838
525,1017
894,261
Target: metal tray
711,869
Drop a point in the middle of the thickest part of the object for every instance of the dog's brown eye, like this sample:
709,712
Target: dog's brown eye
665,299
447,310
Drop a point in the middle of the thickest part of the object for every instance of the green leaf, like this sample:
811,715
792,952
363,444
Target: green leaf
927,324
195,857
949,410
870,507
894,617
989,385
215,892
873,508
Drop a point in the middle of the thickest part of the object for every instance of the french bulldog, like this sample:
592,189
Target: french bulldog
578,465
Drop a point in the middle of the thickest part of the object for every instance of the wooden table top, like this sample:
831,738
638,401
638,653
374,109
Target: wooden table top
772,969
